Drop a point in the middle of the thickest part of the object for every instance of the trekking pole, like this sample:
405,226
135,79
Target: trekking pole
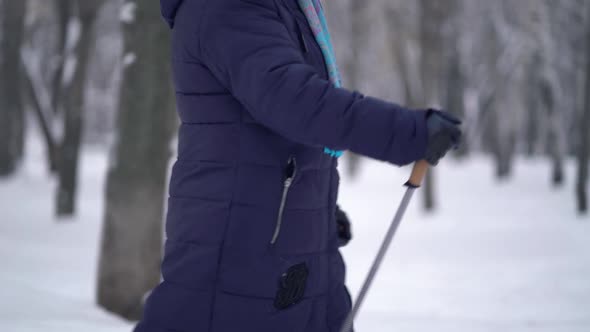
413,183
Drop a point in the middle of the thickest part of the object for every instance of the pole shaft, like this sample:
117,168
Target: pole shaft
347,326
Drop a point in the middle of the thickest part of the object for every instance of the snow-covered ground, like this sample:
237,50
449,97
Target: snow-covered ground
48,267
509,257
497,257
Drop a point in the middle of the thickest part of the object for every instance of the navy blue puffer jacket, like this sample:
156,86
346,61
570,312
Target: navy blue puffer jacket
251,234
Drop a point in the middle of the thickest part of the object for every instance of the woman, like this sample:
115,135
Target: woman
252,238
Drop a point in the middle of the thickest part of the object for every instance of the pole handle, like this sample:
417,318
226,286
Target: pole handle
418,174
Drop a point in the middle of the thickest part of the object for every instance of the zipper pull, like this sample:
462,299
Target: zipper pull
291,169
290,172
288,182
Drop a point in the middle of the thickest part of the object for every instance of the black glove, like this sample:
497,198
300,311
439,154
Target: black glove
444,134
343,224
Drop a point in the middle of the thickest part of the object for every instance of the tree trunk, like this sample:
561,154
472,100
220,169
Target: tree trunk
12,121
533,104
69,151
44,125
555,135
502,141
132,237
584,151
64,10
456,94
359,38
433,63
584,145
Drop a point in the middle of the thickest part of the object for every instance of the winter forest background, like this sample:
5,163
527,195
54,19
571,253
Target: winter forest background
499,239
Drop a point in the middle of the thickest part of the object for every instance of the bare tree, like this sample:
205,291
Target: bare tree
43,119
435,36
12,125
37,48
533,115
359,38
65,12
132,235
404,31
584,145
455,88
73,102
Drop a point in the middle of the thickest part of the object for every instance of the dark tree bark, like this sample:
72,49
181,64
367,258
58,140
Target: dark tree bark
583,158
553,141
434,16
40,114
65,11
12,121
503,150
584,145
455,91
497,93
533,115
502,142
132,237
359,37
73,103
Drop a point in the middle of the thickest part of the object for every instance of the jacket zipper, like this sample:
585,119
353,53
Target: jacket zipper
291,171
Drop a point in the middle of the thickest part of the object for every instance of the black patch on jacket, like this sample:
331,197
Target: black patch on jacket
291,286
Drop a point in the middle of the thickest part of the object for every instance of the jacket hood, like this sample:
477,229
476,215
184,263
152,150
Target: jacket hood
169,8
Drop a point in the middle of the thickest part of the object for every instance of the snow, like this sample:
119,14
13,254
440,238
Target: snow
71,61
49,266
127,13
511,257
508,257
73,34
129,59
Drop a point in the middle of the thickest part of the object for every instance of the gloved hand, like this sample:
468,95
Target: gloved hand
343,224
444,134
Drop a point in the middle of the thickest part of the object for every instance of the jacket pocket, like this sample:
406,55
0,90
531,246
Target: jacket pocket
290,173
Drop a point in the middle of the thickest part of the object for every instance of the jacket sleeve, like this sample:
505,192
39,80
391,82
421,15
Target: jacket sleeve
248,48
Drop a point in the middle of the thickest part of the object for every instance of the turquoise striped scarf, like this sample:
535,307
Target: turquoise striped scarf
317,21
